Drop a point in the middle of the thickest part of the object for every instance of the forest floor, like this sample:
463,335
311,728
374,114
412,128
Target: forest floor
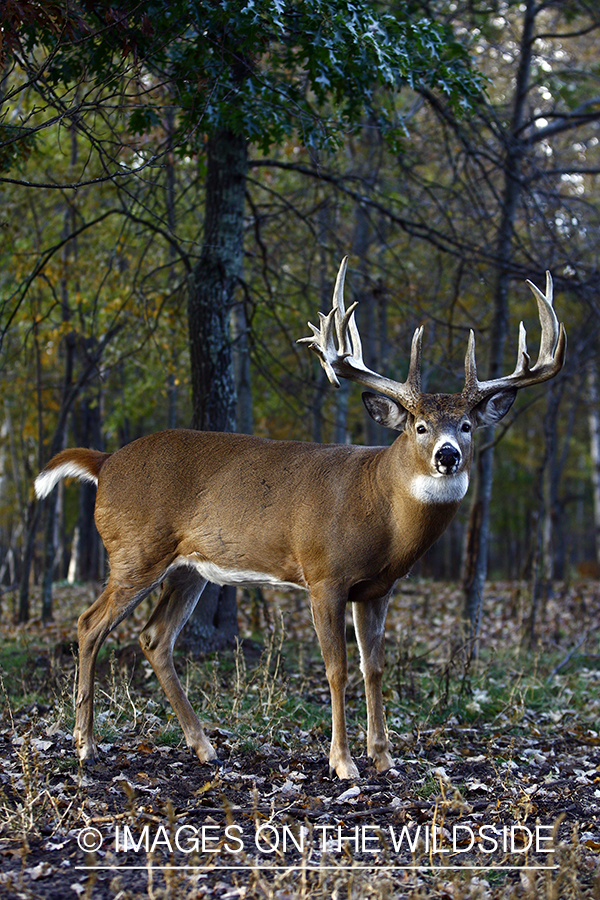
495,792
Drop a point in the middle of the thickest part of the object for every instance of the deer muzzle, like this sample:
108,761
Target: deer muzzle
447,459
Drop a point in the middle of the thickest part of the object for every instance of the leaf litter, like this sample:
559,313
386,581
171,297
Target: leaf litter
495,791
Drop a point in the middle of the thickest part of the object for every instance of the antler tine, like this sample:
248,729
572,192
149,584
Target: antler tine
523,358
470,366
341,317
322,344
414,369
551,356
346,359
550,326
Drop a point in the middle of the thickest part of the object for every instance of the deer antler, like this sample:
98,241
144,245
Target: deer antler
346,360
550,359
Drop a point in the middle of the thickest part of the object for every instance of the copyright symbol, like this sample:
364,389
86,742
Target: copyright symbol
89,840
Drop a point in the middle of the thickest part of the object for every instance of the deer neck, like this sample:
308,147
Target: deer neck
422,504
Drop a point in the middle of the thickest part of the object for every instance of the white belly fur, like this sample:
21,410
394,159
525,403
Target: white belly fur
241,577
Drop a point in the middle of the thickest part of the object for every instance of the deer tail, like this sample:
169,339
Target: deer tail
78,463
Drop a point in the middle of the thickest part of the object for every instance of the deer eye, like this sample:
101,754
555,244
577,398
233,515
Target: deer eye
421,429
466,426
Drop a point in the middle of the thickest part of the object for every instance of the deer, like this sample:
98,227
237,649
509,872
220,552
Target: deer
178,508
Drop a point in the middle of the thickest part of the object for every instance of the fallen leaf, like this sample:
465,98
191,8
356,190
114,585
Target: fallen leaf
352,792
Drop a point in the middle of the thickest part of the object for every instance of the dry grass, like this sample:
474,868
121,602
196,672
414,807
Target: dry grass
509,737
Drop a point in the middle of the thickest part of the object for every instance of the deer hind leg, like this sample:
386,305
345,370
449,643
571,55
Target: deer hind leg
180,593
329,617
110,608
369,625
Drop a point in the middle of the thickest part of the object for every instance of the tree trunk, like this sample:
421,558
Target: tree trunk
34,509
59,441
87,548
31,523
321,383
241,366
375,434
213,281
553,477
475,559
365,164
170,193
52,503
210,302
542,568
475,554
594,427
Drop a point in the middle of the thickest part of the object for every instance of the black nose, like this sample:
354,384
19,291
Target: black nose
447,457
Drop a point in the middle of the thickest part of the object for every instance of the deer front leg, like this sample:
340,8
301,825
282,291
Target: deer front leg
329,617
180,593
369,625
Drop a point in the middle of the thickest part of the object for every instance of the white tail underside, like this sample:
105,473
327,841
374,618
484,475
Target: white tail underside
49,479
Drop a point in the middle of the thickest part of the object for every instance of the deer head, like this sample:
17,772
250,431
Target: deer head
440,426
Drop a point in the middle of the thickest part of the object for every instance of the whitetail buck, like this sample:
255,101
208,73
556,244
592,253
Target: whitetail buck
180,507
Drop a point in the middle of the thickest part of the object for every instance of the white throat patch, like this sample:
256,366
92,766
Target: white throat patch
439,488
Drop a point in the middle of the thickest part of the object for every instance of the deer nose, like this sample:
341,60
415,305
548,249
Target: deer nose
447,458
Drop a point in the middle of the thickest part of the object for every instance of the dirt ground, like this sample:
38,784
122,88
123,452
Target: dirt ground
248,810
472,809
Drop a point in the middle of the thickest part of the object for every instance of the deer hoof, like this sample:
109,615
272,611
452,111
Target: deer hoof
383,761
205,752
86,750
345,770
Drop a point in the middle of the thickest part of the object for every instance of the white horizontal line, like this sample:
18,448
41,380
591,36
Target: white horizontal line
209,868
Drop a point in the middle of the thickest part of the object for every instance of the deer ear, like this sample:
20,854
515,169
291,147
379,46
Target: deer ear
494,408
385,411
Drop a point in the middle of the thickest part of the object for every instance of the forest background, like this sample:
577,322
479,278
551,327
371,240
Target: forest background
446,196
180,182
